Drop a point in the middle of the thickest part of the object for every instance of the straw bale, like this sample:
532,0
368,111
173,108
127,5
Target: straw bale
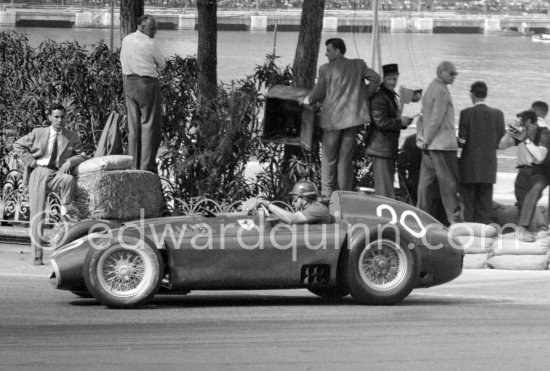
519,262
119,194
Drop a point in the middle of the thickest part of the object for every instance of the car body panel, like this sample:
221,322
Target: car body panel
238,251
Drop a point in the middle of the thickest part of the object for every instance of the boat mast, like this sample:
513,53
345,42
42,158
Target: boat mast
376,47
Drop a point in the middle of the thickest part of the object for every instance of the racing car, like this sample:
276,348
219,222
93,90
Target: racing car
377,249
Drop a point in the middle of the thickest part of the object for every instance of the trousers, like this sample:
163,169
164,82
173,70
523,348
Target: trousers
383,171
43,180
478,202
528,189
337,159
439,176
143,103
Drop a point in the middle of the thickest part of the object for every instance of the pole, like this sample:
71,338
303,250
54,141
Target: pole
275,40
376,57
112,23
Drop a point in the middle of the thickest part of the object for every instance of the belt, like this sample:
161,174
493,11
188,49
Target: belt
524,167
134,76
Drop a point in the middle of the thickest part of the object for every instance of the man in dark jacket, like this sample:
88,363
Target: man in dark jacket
387,124
479,131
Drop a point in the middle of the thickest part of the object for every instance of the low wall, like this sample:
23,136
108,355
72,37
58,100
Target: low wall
285,21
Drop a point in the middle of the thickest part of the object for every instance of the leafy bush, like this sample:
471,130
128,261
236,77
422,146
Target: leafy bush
204,150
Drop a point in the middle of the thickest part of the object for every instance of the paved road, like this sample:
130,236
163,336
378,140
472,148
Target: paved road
483,320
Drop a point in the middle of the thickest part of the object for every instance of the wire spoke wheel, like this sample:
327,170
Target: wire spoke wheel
124,275
382,265
123,272
382,270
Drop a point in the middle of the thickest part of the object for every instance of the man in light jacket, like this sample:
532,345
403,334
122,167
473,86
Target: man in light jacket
436,136
342,90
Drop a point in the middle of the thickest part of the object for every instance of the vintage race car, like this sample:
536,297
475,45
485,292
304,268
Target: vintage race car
378,250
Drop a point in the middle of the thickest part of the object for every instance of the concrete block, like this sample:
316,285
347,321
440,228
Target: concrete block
186,22
491,25
83,19
398,24
106,20
330,24
7,18
423,25
258,23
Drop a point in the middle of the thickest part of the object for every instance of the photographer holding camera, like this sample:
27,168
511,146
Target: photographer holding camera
533,144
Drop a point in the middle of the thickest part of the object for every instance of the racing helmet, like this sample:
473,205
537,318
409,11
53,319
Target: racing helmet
305,188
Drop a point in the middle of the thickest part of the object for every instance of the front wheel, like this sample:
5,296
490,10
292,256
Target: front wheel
382,271
124,275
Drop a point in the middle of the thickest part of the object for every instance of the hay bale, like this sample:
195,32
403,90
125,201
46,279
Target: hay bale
104,163
119,194
519,262
475,261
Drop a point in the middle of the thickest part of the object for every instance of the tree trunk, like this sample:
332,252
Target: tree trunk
309,40
130,11
207,50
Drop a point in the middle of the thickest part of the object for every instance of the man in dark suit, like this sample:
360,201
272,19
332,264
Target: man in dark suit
479,132
387,125
49,155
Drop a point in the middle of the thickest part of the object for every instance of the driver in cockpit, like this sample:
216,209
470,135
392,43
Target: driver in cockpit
308,209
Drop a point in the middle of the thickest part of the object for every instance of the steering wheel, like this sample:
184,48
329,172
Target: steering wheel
264,209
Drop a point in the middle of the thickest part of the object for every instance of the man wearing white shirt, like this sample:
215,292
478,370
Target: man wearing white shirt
49,154
141,62
533,177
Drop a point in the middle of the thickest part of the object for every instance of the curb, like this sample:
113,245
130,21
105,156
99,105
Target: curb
15,235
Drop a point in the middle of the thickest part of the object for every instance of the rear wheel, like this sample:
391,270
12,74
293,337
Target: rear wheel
381,272
124,275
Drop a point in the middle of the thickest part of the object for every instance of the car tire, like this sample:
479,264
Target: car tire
336,292
382,270
125,274
81,229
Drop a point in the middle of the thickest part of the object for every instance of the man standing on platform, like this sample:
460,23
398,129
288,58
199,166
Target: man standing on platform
49,155
141,62
479,132
341,88
436,136
387,125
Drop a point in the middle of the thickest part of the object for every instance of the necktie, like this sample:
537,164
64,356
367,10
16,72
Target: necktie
53,156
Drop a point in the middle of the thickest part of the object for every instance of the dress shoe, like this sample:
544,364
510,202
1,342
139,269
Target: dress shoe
38,261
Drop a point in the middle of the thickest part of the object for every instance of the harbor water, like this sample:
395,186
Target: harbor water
515,68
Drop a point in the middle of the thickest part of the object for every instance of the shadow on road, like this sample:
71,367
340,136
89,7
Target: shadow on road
212,301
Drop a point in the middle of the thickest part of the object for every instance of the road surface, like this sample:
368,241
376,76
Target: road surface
486,319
